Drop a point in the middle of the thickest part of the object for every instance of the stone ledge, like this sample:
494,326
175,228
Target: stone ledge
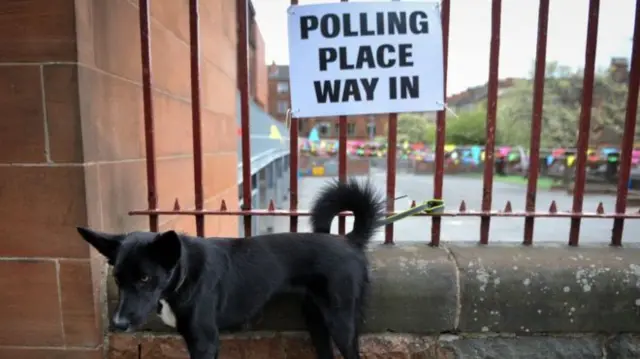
548,290
389,346
466,288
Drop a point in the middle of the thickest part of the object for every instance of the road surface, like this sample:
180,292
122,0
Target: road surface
458,188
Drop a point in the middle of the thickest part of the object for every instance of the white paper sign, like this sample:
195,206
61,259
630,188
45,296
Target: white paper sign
354,58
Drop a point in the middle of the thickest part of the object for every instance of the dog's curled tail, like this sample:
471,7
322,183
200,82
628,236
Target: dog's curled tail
366,204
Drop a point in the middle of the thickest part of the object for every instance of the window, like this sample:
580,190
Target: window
371,129
283,106
282,87
351,129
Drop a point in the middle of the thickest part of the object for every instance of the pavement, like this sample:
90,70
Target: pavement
458,188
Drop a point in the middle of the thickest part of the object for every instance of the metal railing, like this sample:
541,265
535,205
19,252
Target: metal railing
485,213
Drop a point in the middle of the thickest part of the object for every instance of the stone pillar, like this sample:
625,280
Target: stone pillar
72,152
48,303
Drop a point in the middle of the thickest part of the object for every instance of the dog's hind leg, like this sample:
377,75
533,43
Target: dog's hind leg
343,327
317,327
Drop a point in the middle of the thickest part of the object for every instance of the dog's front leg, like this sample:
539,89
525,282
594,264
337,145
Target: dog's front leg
203,342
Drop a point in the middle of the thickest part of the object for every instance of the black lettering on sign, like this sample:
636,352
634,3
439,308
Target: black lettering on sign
404,56
369,86
327,91
325,56
332,91
330,26
365,55
380,23
409,87
418,22
397,23
364,25
344,65
385,56
351,89
383,62
346,23
307,24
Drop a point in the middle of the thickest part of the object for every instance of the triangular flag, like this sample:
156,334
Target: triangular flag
313,135
274,133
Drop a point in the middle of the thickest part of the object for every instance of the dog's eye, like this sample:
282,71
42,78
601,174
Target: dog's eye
144,278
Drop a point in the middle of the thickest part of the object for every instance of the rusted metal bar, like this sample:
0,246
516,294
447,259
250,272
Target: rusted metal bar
342,159
342,163
585,119
391,172
147,100
242,14
293,167
536,120
196,119
492,103
629,133
553,213
436,222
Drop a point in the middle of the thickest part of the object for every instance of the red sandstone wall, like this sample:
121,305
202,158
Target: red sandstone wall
111,109
72,151
261,77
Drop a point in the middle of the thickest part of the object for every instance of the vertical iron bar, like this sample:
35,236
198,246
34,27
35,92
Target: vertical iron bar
293,174
585,120
492,102
629,132
536,120
293,167
391,173
194,40
342,164
436,221
149,139
342,160
243,83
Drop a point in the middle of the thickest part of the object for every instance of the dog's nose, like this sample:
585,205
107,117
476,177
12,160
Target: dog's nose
121,324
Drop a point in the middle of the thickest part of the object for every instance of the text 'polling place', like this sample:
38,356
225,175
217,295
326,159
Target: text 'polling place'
365,58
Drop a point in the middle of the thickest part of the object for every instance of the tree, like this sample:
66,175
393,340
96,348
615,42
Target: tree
561,108
469,128
413,127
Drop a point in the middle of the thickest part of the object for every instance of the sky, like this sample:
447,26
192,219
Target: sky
470,33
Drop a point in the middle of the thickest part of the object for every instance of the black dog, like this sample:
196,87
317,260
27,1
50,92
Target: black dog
210,285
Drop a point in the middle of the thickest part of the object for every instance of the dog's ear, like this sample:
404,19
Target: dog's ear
105,243
166,249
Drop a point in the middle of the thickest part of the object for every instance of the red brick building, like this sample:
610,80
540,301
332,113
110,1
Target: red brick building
360,127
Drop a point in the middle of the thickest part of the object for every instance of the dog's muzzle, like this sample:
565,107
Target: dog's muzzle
120,324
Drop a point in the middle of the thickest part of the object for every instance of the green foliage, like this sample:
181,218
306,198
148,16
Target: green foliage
468,129
560,116
561,109
413,127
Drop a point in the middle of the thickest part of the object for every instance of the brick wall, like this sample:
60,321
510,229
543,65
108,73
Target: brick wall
72,151
275,346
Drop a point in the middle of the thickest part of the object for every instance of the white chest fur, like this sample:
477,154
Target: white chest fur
166,314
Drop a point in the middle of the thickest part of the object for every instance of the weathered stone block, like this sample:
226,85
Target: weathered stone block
526,347
623,346
516,289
